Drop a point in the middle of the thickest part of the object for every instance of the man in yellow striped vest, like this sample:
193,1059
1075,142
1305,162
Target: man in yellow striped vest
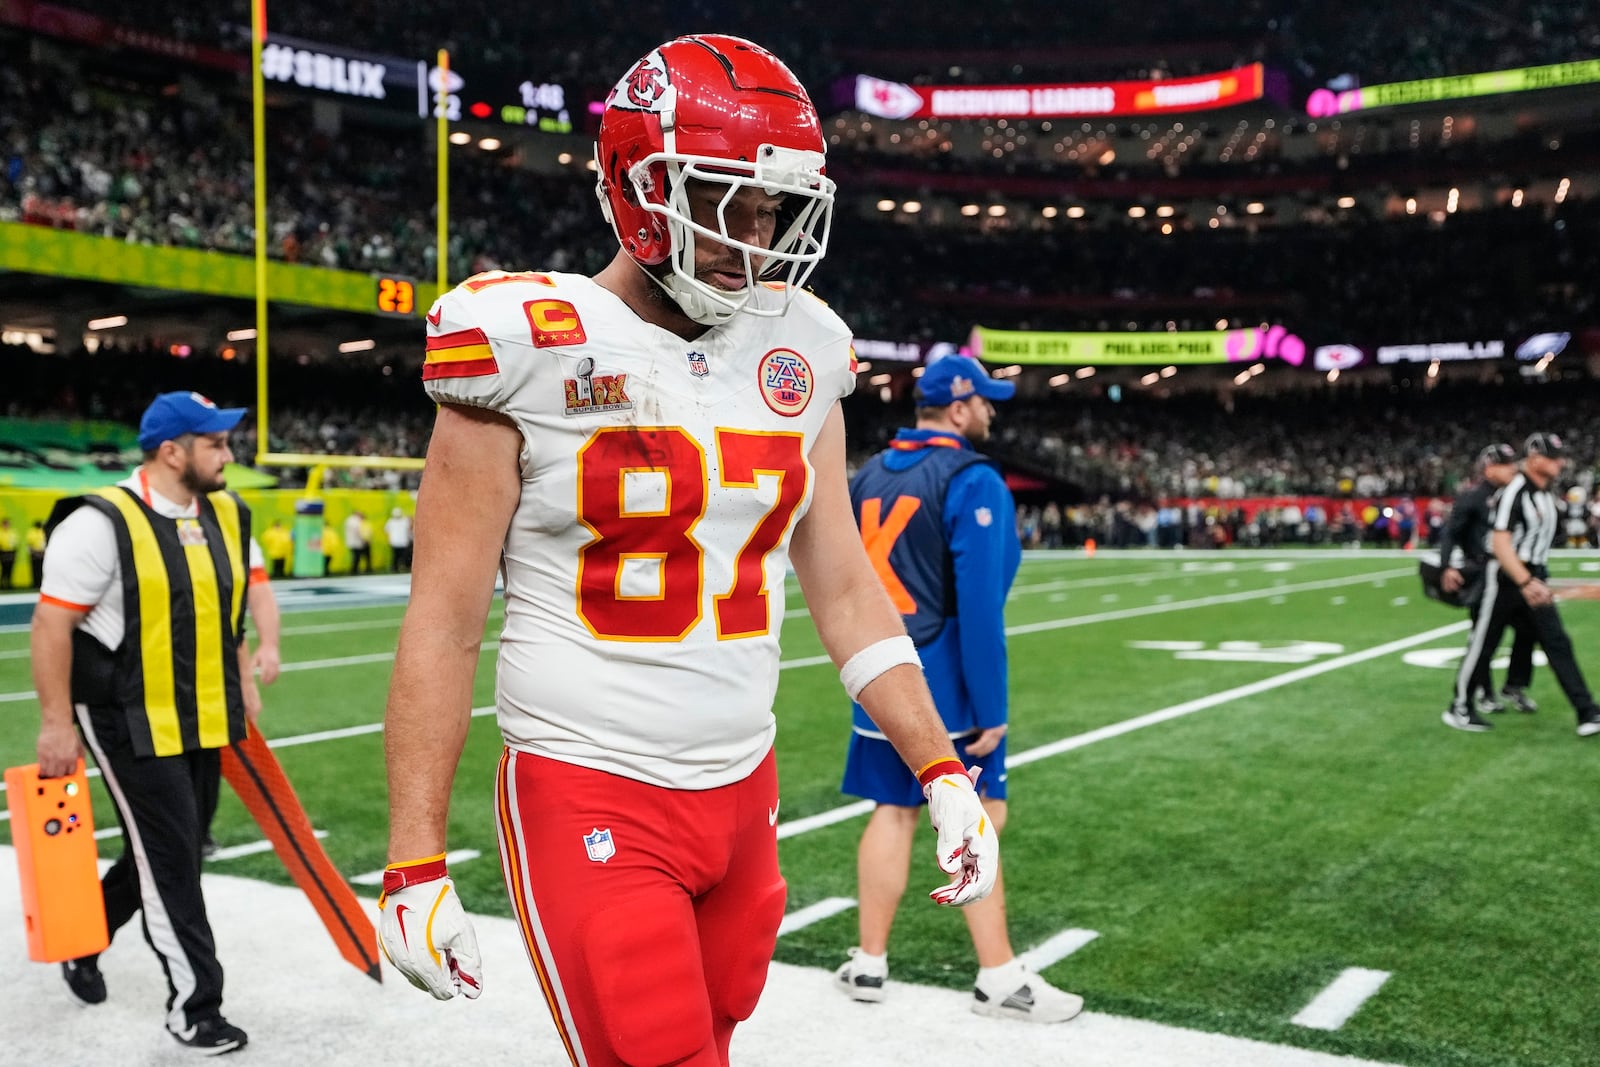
138,638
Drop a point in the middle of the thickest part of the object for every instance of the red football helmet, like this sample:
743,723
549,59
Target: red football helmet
719,110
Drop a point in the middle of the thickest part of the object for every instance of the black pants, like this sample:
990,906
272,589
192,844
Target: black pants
8,563
1519,672
1503,605
164,804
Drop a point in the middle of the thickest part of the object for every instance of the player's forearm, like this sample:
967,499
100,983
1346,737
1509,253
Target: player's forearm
264,610
900,705
1505,553
425,729
50,656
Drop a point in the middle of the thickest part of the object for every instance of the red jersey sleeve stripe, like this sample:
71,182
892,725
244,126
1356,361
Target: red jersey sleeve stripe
457,339
475,368
45,598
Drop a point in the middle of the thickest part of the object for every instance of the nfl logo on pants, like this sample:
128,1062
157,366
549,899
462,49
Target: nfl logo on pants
600,845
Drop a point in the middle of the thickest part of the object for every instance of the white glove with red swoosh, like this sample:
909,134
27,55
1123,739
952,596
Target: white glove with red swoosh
424,931
967,845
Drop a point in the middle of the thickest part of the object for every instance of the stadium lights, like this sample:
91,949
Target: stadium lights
461,137
1222,324
1108,157
1150,379
242,335
1008,372
1452,201
1215,223
489,144
1255,207
1241,378
1083,372
880,379
996,210
564,158
885,205
970,210
366,344
1048,211
1516,198
110,322
1259,368
911,207
1411,205
1058,380
1347,201
1333,375
1165,211
1167,372
1136,212
863,365
1561,190
1076,211
916,372
1166,228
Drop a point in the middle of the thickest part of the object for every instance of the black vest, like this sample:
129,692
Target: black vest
176,672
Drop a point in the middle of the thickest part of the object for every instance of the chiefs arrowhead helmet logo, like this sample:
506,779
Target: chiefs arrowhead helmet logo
644,85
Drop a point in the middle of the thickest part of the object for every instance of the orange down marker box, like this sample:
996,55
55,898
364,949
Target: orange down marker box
52,830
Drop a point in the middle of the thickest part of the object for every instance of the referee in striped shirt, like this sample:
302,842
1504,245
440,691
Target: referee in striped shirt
1526,519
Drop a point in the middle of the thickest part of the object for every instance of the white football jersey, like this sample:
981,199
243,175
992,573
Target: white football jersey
661,483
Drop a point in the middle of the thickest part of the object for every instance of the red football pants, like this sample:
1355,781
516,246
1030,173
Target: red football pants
649,914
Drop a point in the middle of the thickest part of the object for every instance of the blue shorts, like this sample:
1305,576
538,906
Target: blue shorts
874,770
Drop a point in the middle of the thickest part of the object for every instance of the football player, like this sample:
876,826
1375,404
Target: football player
642,455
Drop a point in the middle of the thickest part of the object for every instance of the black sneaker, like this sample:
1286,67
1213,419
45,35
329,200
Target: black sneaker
84,979
1517,697
213,1036
1465,719
1487,703
1588,726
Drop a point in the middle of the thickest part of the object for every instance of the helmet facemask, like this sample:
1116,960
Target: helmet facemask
800,237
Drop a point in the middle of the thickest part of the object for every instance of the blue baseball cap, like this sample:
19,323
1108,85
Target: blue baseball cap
951,378
172,415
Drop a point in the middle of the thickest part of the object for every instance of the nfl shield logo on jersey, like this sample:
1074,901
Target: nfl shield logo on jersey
698,365
600,845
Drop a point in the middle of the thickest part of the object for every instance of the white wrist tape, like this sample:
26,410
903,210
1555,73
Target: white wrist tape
875,659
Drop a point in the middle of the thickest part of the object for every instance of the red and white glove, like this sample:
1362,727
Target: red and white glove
967,846
424,931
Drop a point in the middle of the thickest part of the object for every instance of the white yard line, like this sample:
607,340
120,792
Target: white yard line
1067,744
1025,628
1057,947
826,908
1332,1008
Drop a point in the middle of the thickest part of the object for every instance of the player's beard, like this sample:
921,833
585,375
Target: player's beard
192,481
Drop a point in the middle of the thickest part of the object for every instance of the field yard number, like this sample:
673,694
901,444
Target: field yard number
1244,651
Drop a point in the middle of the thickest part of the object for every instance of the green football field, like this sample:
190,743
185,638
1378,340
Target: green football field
1230,769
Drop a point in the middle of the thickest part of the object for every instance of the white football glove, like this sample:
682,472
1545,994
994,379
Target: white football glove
967,845
424,931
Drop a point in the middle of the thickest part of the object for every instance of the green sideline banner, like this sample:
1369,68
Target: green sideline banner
67,254
1208,346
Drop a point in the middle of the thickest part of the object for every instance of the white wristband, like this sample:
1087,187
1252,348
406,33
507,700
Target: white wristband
880,656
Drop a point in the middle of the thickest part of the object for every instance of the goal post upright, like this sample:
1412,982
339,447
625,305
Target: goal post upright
258,108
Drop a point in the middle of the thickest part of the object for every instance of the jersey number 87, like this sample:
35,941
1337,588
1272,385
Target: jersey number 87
667,535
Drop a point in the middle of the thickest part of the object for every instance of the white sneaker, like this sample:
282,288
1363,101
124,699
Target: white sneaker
862,977
1032,1000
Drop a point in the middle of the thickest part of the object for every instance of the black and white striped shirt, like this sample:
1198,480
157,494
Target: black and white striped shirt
1530,515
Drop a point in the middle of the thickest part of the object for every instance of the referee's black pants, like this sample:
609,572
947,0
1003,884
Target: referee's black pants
1503,605
164,804
1519,673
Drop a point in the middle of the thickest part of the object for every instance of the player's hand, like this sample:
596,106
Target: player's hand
59,750
967,846
986,741
1450,580
424,931
267,663
1537,594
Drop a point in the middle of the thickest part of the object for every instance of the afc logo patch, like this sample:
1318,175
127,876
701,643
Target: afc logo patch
589,392
554,323
599,845
785,380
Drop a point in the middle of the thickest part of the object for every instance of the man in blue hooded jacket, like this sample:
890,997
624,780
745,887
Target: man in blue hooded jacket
940,527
